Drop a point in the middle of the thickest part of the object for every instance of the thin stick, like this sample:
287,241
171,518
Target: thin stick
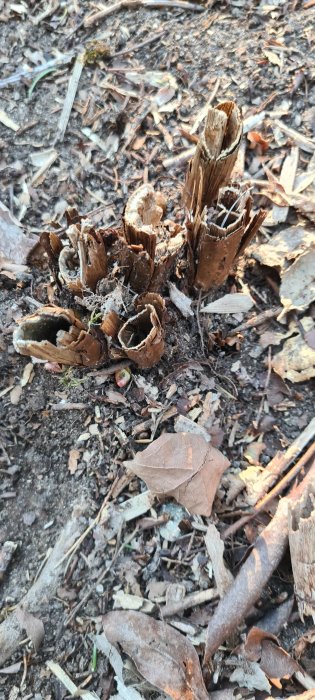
70,97
189,602
254,574
136,47
198,322
257,320
134,4
180,159
265,500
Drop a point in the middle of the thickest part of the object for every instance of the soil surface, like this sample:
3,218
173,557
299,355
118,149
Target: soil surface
223,48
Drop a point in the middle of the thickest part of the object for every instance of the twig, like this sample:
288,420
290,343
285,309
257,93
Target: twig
263,502
189,602
257,320
254,574
180,159
70,96
198,323
134,4
261,405
29,73
136,47
44,588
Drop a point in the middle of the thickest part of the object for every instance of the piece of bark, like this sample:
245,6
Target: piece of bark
215,549
44,588
218,236
55,334
215,156
254,574
142,336
302,549
85,263
142,218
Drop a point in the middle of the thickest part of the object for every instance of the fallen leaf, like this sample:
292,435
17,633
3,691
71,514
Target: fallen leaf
124,692
296,360
162,655
116,398
180,300
229,304
14,244
33,626
297,290
183,466
73,461
253,452
127,601
264,647
284,247
16,394
28,374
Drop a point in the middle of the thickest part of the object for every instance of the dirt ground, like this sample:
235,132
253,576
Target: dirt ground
228,41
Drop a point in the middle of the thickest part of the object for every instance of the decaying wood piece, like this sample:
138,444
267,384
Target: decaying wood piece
215,155
254,573
302,549
218,236
44,588
55,334
142,218
142,336
85,263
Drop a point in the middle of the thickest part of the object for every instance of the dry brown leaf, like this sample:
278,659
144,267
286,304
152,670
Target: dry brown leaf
296,360
33,626
297,290
15,246
162,655
73,460
264,647
183,466
284,247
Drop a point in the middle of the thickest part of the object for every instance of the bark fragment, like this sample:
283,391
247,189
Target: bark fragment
55,334
142,336
218,236
215,155
85,263
302,548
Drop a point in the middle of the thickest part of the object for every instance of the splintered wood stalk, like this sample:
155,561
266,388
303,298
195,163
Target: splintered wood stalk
215,156
219,235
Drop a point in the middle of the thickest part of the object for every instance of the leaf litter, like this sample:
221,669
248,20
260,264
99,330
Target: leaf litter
121,419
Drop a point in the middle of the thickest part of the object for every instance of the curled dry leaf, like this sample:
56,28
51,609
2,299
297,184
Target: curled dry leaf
215,156
215,549
218,236
162,655
296,360
183,466
264,648
54,334
142,336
